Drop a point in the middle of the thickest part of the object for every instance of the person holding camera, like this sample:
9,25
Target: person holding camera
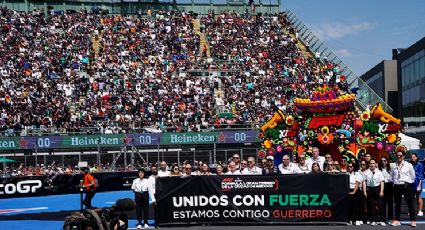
143,188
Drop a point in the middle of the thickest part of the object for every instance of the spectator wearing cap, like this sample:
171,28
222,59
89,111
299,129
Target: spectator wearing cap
270,168
287,167
403,175
142,188
301,166
252,168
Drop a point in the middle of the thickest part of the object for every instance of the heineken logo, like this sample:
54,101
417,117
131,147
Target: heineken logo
197,138
76,141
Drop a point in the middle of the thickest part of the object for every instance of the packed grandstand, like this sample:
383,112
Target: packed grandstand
168,71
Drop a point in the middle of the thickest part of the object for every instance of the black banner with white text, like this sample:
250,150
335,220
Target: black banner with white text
31,186
248,199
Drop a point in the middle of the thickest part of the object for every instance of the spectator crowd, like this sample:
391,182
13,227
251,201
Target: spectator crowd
80,71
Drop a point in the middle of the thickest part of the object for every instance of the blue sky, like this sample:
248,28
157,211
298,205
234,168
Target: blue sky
362,32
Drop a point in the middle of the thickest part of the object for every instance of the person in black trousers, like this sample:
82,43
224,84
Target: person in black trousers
384,166
403,176
89,184
354,195
373,188
152,179
142,189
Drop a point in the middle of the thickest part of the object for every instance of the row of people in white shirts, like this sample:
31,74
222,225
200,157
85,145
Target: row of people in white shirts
400,173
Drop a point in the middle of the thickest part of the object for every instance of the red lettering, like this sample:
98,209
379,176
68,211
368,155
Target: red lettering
297,213
328,213
305,214
276,214
291,214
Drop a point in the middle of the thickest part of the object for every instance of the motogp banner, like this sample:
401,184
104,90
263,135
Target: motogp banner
33,186
118,140
309,198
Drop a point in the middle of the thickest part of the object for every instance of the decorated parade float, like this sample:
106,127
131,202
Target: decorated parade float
330,121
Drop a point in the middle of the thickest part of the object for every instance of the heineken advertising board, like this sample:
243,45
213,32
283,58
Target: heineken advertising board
118,140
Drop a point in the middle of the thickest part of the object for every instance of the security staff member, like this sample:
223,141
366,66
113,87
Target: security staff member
142,188
152,178
373,188
89,184
403,175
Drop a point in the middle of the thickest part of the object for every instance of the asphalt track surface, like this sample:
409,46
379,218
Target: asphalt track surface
291,227
48,213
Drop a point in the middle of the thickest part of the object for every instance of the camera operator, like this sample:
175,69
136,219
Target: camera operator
142,188
102,219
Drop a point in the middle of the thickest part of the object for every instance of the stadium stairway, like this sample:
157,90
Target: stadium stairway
203,41
306,53
95,41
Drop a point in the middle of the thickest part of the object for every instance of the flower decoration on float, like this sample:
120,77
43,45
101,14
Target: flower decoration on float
329,117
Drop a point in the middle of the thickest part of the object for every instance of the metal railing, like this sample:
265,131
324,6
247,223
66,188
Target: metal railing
366,97
118,160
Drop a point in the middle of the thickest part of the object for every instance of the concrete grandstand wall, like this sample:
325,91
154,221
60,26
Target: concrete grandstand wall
134,7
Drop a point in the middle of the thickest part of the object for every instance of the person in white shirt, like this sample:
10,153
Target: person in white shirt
187,170
242,165
373,189
286,167
302,167
384,166
163,172
354,195
232,169
252,169
152,179
142,188
403,175
315,158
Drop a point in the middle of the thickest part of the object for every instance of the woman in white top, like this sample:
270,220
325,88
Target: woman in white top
175,171
373,188
361,172
384,166
354,195
142,188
